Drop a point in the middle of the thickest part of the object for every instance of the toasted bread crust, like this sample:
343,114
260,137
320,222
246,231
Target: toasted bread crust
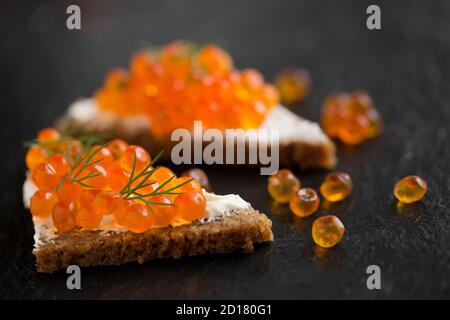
237,231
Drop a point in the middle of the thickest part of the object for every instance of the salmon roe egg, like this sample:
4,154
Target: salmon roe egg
410,189
282,185
48,134
327,231
88,218
117,147
59,162
293,85
187,184
200,176
98,174
336,186
131,152
87,197
69,191
120,212
305,202
42,202
64,215
35,156
118,177
163,213
106,201
190,205
45,177
103,155
138,218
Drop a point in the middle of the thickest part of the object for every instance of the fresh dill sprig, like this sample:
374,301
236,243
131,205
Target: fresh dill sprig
133,193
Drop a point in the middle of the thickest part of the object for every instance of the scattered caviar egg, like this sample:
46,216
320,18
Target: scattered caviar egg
138,218
351,117
304,202
45,177
118,177
42,202
135,152
164,213
106,201
187,184
69,191
35,156
282,185
88,218
410,189
48,134
200,176
120,211
327,231
64,215
117,147
293,85
336,186
190,205
59,162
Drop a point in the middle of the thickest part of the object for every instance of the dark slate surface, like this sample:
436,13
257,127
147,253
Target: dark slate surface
405,67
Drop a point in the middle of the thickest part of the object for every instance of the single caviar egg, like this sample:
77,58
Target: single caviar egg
88,218
327,231
164,212
103,155
118,177
130,154
200,176
187,184
42,202
336,186
293,85
64,215
59,162
305,202
69,191
48,134
190,205
138,218
94,176
282,185
410,189
87,197
45,177
120,212
35,156
117,147
106,201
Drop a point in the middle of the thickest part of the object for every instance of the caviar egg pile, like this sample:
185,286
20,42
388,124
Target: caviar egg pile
351,117
180,83
77,185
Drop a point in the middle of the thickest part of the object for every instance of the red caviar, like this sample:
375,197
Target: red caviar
98,181
181,83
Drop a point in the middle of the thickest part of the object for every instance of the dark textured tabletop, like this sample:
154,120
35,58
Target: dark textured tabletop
405,67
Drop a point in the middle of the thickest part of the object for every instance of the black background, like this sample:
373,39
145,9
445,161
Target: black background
405,67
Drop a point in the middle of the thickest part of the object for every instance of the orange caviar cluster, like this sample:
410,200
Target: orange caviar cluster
181,83
351,117
79,185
